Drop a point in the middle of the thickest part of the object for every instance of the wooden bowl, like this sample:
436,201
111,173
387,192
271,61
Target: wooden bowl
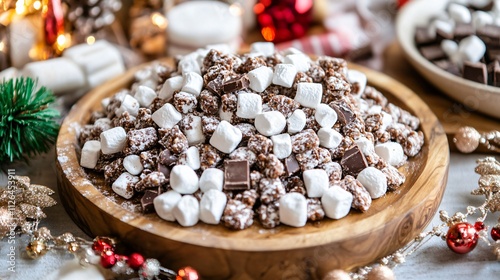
257,253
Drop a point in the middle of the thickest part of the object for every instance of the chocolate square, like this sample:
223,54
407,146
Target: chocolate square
167,158
236,175
353,161
147,201
235,84
344,113
291,165
448,66
476,72
462,30
490,34
432,52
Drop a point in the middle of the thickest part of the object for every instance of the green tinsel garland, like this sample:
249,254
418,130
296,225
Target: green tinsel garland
27,124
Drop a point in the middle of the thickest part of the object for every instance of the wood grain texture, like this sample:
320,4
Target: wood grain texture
256,253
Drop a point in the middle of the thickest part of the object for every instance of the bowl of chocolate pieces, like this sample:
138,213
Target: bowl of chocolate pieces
263,165
455,45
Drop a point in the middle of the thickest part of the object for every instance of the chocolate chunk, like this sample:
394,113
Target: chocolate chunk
147,201
490,34
432,52
344,113
448,66
494,73
353,161
493,54
422,37
291,165
165,170
167,158
475,72
215,86
236,175
236,84
462,30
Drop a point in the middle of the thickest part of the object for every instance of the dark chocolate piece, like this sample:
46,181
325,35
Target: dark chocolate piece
236,175
475,72
215,86
236,84
167,158
462,30
165,170
490,34
448,66
147,201
433,52
291,165
344,114
422,37
493,54
353,161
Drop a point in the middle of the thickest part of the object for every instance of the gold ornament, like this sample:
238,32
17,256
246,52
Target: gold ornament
36,248
467,140
380,272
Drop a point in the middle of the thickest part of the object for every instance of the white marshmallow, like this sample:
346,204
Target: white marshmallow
183,179
374,109
212,179
130,105
391,152
301,61
249,105
270,123
480,19
105,102
292,50
194,133
192,158
226,137
113,140
459,13
449,47
293,209
444,26
329,138
133,165
260,78
336,202
357,77
472,48
374,181
167,116
170,86
325,115
386,121
124,185
145,96
479,4
365,145
212,206
193,83
309,94
187,211
316,182
90,154
165,204
282,145
189,63
296,121
284,75
264,48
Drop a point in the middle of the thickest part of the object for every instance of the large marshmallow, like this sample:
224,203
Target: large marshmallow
299,60
325,115
374,181
170,86
365,145
183,179
459,13
133,165
293,209
329,138
282,145
145,96
270,123
316,182
226,137
191,158
284,75
296,121
336,202
260,78
193,83
124,185
359,78
472,48
309,94
194,132
212,206
167,116
165,203
90,154
113,140
264,48
187,211
212,179
391,152
130,105
249,105
449,47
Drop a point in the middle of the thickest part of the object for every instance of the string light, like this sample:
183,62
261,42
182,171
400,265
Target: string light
90,40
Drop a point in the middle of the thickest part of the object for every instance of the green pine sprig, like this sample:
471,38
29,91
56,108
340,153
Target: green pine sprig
28,125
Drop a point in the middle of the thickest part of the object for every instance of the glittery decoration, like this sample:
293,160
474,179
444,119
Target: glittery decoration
381,272
36,248
5,220
467,140
337,274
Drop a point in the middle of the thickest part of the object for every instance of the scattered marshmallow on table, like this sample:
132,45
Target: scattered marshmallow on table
270,123
282,145
212,179
192,158
459,13
124,185
374,181
316,182
249,105
226,137
130,105
336,202
329,138
145,95
183,179
212,205
391,152
264,48
113,140
90,154
167,116
192,83
296,121
309,94
300,60
357,78
284,75
133,165
187,211
260,78
472,48
194,132
165,203
170,86
325,115
293,209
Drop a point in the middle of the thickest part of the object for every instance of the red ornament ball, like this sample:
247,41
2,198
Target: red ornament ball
495,233
462,238
101,245
135,261
108,259
187,273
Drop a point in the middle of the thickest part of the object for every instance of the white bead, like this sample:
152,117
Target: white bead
374,181
212,179
270,123
167,116
165,203
391,152
249,105
325,115
133,165
301,61
260,78
194,133
336,202
183,179
212,206
170,86
296,121
449,47
187,211
329,138
472,48
124,185
264,48
357,77
316,182
145,96
282,145
459,13
284,75
226,137
193,83
365,145
481,19
192,158
309,94
130,105
90,154
113,140
293,209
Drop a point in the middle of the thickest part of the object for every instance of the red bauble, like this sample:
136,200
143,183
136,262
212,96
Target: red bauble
495,233
187,273
108,259
462,238
283,20
135,261
54,21
101,245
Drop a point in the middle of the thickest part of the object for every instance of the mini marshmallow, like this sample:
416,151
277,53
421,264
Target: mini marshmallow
105,102
212,206
187,211
374,181
264,48
365,145
296,121
212,179
481,19
284,75
189,63
183,179
301,61
293,209
359,78
124,185
374,109
194,132
386,121
133,165
444,26
270,123
167,116
336,202
165,204
329,138
325,115
449,47
316,182
292,50
226,137
130,105
282,145
113,140
391,152
193,83
472,48
249,105
309,94
260,78
145,96
192,158
170,86
90,154
459,13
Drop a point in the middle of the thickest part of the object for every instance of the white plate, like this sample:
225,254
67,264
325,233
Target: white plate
478,97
